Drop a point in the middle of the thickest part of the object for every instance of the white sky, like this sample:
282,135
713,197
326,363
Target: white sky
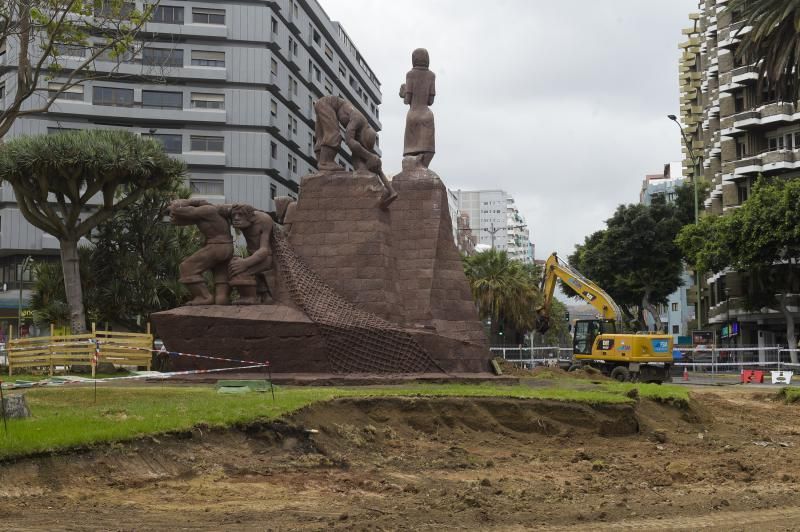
562,104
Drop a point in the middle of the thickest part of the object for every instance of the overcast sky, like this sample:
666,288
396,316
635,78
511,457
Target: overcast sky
561,104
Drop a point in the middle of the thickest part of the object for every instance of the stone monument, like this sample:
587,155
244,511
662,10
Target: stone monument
217,250
356,286
418,93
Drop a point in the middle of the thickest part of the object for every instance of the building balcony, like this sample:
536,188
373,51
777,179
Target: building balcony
138,113
204,31
745,74
771,114
765,163
733,309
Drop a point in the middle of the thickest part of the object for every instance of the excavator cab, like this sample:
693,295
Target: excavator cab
586,331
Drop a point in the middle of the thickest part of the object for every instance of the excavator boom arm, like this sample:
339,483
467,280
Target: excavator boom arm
555,269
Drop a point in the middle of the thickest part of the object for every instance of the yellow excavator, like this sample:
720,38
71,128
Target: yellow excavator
643,357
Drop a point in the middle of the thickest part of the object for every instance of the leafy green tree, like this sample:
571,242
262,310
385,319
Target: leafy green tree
762,239
130,268
684,199
505,290
773,42
135,258
69,183
634,259
38,34
558,333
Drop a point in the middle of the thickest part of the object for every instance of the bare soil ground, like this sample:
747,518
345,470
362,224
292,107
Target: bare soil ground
729,462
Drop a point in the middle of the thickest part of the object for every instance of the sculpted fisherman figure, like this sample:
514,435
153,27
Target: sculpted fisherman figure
217,250
252,275
418,92
359,136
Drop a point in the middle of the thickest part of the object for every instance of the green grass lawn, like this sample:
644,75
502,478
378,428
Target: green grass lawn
790,394
68,417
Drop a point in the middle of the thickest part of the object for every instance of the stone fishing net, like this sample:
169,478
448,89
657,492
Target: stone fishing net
357,341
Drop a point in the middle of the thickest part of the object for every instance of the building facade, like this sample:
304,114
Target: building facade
737,129
228,86
496,222
676,314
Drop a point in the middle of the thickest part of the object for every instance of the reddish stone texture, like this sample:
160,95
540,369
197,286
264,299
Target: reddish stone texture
399,264
430,273
278,333
340,231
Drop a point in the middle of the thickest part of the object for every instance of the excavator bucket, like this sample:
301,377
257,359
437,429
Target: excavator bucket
542,324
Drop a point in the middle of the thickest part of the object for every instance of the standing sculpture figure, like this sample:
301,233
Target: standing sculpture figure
418,92
359,136
252,275
217,250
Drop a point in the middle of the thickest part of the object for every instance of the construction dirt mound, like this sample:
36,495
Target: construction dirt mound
727,462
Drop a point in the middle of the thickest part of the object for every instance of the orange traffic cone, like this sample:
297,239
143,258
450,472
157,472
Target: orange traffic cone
685,373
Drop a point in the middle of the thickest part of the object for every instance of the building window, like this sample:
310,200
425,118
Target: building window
202,143
71,50
775,143
114,9
207,187
292,164
273,152
328,52
292,124
317,73
676,329
274,25
112,96
273,108
173,143
292,86
328,87
742,193
273,191
202,15
674,307
202,100
168,15
273,67
738,102
208,58
317,38
162,57
114,56
162,100
741,149
342,71
74,93
292,46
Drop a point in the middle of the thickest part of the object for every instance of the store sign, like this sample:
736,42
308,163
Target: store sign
730,330
702,338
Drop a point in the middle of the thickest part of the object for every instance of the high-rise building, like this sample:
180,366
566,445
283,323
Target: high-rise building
675,314
496,222
227,86
738,129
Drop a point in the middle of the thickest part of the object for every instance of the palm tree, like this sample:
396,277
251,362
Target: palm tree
506,291
773,42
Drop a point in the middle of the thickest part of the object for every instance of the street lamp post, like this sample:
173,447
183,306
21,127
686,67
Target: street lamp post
697,161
